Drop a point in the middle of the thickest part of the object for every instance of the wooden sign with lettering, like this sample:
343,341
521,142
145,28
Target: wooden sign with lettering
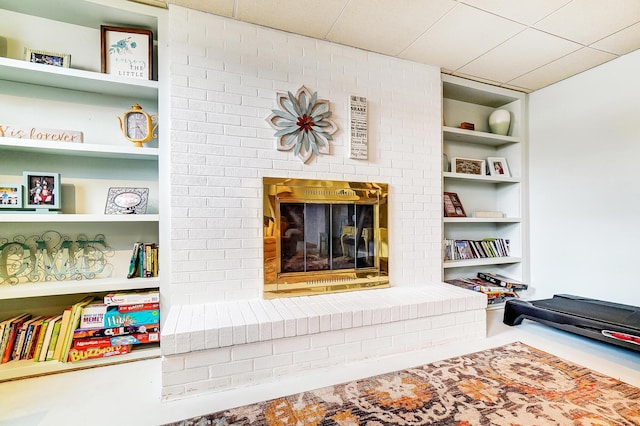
358,148
40,134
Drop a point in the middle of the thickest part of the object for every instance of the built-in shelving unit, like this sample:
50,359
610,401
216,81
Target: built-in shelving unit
79,98
473,102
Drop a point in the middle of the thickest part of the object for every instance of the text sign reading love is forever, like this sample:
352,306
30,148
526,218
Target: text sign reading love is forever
37,133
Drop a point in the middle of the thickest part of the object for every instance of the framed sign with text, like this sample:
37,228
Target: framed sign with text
127,52
358,147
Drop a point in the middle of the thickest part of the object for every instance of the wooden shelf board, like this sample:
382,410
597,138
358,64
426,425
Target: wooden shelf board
33,217
480,262
79,149
471,136
29,368
481,220
74,79
56,288
480,178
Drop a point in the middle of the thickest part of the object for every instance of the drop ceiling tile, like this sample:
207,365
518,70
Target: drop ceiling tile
528,50
525,12
372,25
459,37
306,17
587,21
219,7
567,66
622,42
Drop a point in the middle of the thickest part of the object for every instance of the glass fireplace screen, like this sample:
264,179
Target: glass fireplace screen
324,236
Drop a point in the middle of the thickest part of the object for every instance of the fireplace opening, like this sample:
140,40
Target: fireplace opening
324,236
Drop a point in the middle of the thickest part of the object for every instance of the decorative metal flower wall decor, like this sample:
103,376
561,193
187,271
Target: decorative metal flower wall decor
303,124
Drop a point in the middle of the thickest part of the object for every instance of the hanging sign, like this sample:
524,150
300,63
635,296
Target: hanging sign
358,148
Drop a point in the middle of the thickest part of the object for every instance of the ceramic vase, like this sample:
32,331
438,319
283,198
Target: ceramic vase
499,122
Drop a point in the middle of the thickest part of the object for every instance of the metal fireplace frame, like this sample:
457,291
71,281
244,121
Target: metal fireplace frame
282,193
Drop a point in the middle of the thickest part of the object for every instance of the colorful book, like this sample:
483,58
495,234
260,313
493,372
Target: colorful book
11,332
128,339
82,354
23,346
76,313
64,327
102,316
132,297
502,280
133,263
43,349
54,338
121,330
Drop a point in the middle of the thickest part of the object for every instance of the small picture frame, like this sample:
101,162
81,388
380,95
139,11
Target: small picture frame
498,166
62,60
467,166
10,196
123,200
453,205
42,190
126,52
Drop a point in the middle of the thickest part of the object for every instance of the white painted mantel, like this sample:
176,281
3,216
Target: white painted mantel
225,76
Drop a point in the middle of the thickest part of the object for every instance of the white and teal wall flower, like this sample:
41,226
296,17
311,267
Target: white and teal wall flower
302,123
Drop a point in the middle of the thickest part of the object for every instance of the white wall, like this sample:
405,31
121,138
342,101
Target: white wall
225,76
585,191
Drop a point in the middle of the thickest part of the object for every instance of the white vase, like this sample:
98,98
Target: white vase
499,122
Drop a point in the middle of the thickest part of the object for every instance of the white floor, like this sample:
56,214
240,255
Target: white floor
129,394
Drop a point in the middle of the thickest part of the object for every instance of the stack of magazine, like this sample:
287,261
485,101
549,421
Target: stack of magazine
498,288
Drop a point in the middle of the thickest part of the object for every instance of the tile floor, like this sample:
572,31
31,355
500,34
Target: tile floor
129,394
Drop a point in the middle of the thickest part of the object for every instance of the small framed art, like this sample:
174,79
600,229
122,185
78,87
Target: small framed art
453,205
10,196
47,58
42,190
467,166
127,52
127,201
498,166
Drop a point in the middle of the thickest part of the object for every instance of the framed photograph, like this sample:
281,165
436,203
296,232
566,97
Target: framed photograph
467,166
498,166
127,52
127,201
47,58
42,190
453,205
10,196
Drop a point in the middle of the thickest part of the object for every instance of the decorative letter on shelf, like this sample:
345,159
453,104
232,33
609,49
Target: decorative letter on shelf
52,257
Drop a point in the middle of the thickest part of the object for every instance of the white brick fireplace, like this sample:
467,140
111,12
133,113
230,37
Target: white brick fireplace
219,332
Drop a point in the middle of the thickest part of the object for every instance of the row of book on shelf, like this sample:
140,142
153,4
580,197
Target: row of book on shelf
144,261
476,249
88,329
497,287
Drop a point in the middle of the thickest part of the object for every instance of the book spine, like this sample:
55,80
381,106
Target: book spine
133,263
491,279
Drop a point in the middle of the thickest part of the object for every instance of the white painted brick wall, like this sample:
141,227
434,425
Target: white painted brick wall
224,78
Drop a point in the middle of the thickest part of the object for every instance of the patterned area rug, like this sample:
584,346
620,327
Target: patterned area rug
510,385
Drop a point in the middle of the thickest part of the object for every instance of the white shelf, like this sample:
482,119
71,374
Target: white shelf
480,178
75,218
481,220
73,79
29,368
482,138
79,149
56,288
447,264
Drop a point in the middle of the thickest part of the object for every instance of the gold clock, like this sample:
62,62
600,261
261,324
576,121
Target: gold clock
138,126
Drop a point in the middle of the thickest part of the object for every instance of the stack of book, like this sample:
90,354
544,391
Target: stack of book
476,249
498,288
110,327
85,330
144,261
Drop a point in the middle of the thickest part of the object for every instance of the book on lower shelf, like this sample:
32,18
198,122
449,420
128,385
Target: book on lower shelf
502,281
495,294
88,329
